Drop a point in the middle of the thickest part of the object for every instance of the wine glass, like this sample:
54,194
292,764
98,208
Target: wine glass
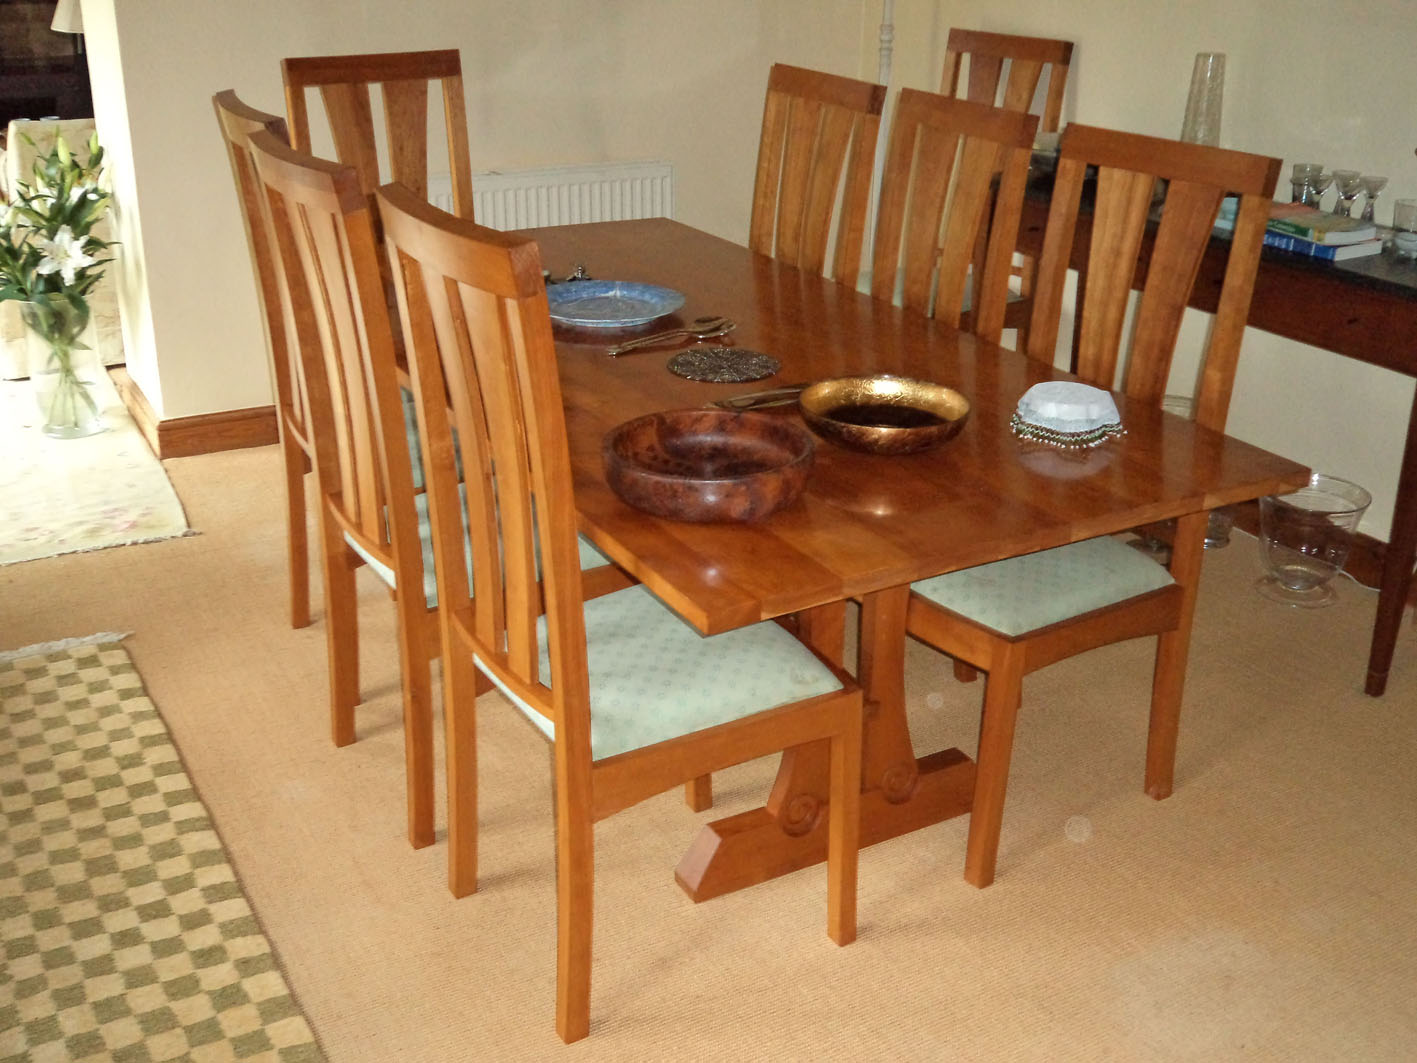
1372,185
1320,183
1347,183
1304,174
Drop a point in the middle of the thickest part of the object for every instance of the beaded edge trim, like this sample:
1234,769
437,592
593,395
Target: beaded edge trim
1068,440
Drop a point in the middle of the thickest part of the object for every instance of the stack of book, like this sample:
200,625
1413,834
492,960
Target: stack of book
1306,230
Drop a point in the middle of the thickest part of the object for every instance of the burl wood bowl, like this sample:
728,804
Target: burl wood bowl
883,414
707,465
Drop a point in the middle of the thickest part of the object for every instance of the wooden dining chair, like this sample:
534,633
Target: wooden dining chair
940,201
975,69
346,84
630,697
1012,617
238,122
815,157
369,513
369,464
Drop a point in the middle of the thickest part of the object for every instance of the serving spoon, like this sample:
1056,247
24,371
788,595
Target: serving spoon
701,328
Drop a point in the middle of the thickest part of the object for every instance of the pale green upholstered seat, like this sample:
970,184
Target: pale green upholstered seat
653,677
1023,594
590,556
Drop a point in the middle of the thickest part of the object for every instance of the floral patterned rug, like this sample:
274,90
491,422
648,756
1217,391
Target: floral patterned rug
124,931
60,496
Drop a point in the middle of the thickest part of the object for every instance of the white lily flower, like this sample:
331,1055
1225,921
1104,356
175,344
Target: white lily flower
64,254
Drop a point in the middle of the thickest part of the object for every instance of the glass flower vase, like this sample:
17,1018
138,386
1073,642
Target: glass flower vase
64,365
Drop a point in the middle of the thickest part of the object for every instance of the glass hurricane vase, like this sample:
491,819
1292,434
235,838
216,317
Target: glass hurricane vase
64,365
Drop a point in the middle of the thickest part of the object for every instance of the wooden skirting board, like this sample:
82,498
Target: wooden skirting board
181,437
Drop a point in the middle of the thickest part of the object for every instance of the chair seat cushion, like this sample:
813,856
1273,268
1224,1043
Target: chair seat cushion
590,556
653,677
1022,594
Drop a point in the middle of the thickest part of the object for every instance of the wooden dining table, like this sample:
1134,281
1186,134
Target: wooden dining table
866,525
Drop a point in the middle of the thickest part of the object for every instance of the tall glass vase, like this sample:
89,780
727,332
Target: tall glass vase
1202,122
64,365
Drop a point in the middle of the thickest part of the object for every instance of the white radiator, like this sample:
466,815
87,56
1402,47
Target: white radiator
566,195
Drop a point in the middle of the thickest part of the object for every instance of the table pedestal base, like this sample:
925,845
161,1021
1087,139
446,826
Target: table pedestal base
751,847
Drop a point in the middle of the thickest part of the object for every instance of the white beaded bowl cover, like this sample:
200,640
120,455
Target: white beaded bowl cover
1066,413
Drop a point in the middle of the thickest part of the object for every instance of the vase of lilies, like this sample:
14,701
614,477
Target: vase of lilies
49,262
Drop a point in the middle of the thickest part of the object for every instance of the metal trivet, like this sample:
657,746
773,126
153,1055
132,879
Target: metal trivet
723,365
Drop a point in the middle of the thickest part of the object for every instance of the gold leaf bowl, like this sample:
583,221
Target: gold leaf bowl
883,414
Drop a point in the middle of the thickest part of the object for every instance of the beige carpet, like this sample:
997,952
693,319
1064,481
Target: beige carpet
1267,911
59,496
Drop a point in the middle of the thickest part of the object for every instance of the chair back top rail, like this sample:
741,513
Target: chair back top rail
815,156
346,82
1195,179
939,197
1027,57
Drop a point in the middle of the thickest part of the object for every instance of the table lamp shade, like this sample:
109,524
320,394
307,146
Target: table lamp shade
68,17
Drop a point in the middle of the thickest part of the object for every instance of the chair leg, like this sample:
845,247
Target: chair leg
296,533
1172,649
575,906
341,630
417,719
844,831
698,793
1002,691
460,680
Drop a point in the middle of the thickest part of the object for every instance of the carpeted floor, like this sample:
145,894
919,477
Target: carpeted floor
1266,911
125,933
59,496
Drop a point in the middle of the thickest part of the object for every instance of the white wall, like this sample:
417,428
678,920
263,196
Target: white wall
547,81
559,81
1306,81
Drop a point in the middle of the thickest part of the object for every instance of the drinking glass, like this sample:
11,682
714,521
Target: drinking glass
1372,184
1347,183
1404,225
1305,538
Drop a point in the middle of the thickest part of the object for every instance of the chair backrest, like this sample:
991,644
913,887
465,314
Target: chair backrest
1028,58
346,84
324,239
815,157
1196,179
478,334
938,198
239,123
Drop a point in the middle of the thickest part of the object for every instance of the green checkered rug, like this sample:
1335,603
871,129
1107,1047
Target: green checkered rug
125,933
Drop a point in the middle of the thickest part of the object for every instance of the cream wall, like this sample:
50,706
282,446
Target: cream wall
548,81
558,81
1305,81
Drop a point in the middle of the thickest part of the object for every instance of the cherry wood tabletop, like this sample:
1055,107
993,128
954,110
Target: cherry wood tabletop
865,526
864,522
